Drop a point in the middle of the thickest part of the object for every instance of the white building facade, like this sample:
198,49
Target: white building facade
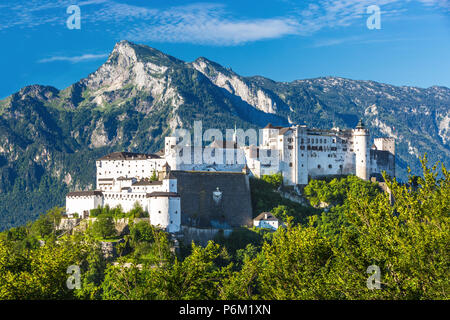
302,153
123,179
297,152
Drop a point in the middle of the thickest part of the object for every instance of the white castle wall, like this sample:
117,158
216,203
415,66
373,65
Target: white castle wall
165,212
82,204
361,152
307,152
298,152
139,168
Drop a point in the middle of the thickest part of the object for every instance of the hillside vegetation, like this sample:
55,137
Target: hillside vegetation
325,258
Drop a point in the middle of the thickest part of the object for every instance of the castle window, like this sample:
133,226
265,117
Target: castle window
330,166
290,147
290,164
340,166
318,166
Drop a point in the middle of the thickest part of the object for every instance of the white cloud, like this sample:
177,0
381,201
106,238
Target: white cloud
215,31
76,59
204,23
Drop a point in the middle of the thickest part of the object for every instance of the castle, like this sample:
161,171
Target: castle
214,192
307,152
298,152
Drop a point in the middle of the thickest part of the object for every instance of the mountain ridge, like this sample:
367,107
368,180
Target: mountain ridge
51,138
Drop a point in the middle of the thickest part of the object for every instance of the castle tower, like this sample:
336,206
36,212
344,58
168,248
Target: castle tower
361,140
301,155
169,179
165,210
169,144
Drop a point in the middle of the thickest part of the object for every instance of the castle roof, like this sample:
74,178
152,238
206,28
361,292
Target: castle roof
267,216
283,131
170,175
271,126
360,124
85,193
121,178
162,194
147,183
224,144
129,156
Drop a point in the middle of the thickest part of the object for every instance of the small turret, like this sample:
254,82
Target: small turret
361,146
360,124
165,170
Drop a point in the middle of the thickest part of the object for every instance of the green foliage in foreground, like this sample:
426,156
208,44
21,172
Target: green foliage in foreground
265,198
409,241
117,212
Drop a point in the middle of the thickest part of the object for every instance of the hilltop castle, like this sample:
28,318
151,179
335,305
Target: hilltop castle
297,152
216,194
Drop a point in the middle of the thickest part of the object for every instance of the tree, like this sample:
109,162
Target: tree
408,241
275,180
142,231
40,273
154,176
137,211
42,227
55,215
104,227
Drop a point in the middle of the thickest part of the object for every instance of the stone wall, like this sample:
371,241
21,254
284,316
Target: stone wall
67,224
231,208
200,236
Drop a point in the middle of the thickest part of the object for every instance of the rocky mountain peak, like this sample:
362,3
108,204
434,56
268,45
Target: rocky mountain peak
128,66
38,92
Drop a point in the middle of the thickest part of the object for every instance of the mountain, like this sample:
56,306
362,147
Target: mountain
50,138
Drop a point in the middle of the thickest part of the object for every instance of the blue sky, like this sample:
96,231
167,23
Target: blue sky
280,39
